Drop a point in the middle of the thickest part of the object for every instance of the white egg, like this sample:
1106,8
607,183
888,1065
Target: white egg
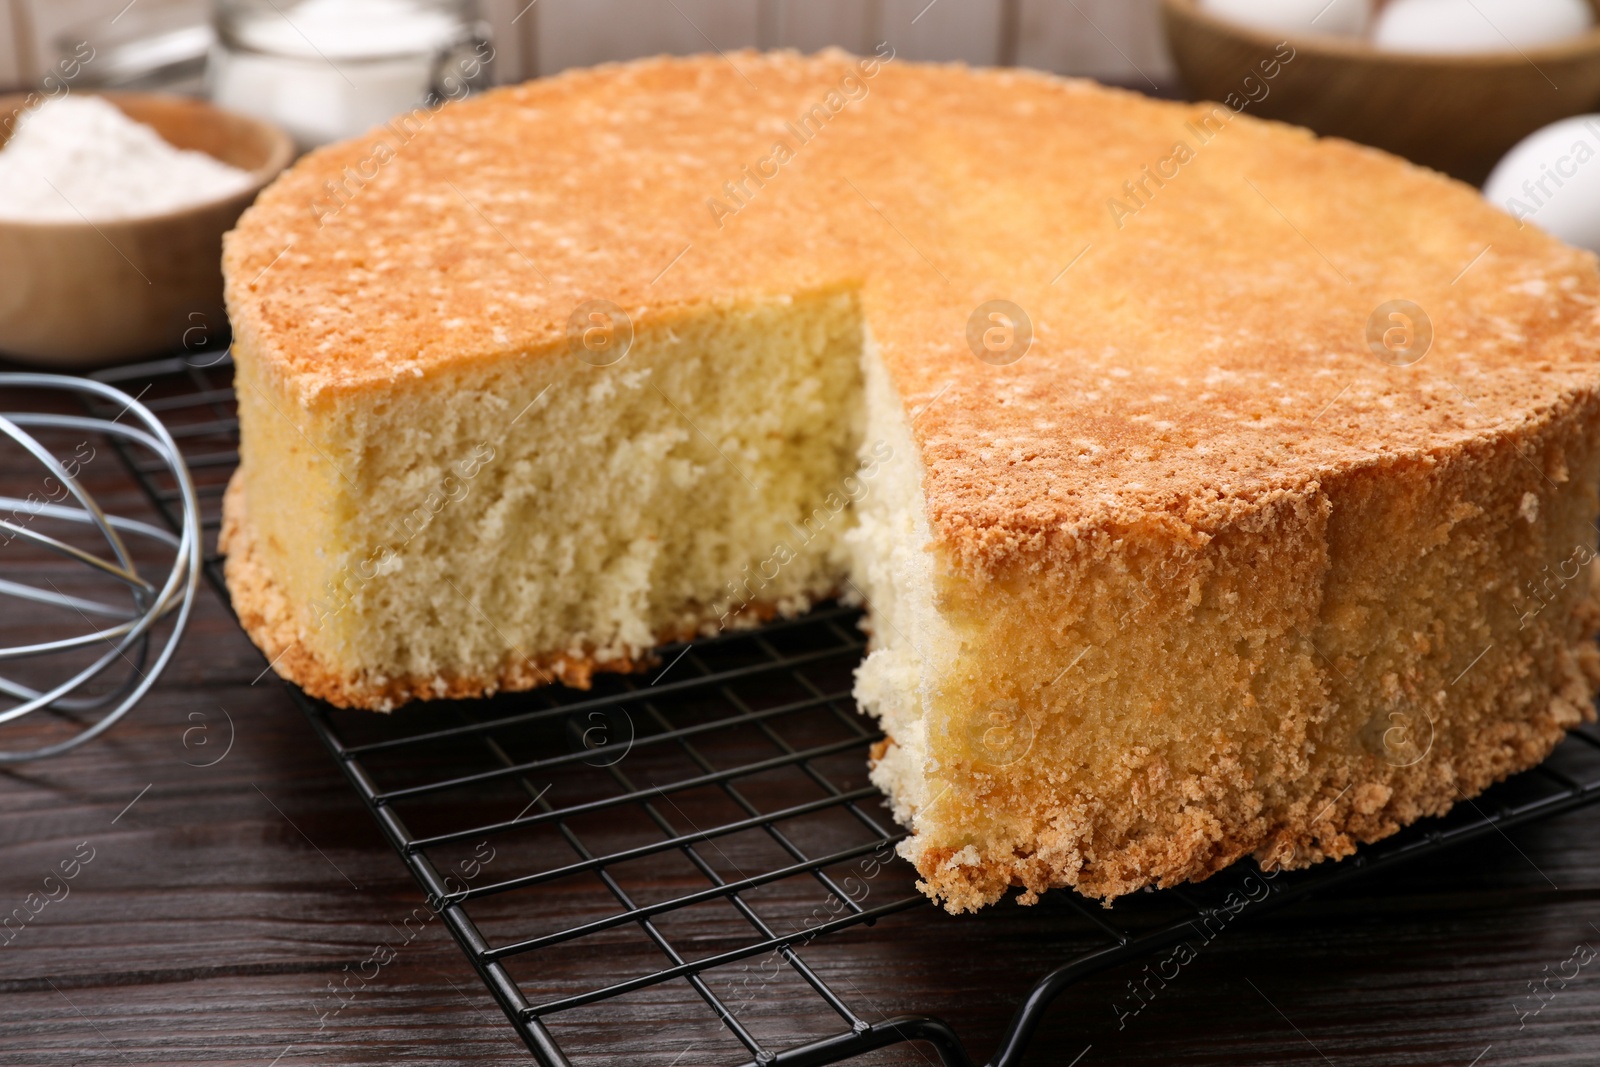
1552,179
1440,26
1347,17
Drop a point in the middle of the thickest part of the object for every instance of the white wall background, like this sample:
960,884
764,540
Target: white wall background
1117,40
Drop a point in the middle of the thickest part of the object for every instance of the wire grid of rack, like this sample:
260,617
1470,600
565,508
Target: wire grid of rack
732,776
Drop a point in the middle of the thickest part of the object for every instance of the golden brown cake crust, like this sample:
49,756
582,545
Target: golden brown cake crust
1190,357
1199,839
1201,355
1205,839
1487,691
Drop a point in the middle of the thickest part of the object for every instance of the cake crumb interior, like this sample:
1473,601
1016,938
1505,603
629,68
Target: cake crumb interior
703,481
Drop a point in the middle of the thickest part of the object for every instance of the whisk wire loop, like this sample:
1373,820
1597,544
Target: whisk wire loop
129,636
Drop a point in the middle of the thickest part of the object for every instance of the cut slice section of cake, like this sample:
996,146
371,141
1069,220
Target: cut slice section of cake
1151,702
1199,508
533,521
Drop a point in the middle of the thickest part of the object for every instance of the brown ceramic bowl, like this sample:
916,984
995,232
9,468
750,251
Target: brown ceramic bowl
77,295
1455,113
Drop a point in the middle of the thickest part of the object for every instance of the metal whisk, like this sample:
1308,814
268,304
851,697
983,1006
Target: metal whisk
125,631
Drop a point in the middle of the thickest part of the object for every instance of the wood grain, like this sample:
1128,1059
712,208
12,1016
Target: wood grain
222,902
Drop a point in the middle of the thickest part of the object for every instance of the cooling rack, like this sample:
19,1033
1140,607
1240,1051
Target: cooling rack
729,778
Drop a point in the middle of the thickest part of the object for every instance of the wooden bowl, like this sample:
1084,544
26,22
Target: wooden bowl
1455,113
77,294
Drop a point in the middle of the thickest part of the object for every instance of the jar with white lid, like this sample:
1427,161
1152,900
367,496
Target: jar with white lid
329,69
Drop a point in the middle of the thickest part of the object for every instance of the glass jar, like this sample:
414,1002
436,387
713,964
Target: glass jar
155,46
329,69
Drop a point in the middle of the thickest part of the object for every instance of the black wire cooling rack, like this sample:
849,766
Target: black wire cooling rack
731,777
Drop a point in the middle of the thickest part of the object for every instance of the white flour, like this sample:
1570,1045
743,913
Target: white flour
78,157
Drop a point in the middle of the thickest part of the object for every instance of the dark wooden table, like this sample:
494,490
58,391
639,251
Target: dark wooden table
221,901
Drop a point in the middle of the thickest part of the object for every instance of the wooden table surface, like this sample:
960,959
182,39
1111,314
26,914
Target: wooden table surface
219,902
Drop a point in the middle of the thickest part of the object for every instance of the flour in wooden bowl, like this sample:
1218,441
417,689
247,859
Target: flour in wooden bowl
80,158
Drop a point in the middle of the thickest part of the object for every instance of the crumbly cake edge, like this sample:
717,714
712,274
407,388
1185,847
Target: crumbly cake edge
960,884
1193,855
1352,811
264,614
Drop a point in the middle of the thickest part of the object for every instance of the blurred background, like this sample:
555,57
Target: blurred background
1115,40
1500,93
